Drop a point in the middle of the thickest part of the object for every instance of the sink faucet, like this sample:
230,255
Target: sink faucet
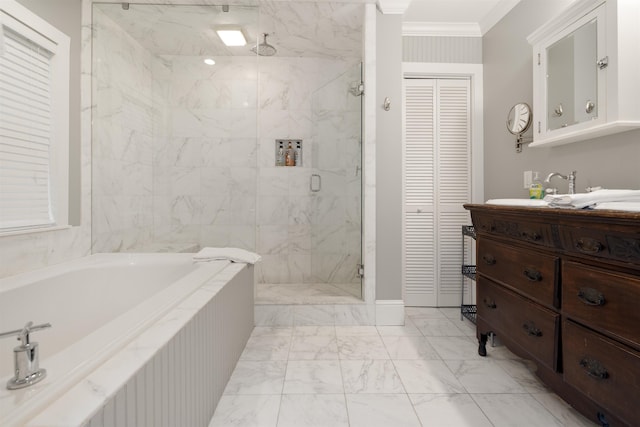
571,178
25,356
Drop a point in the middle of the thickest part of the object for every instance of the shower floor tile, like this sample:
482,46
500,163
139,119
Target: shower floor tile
308,293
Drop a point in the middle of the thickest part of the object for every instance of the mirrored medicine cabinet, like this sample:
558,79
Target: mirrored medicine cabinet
585,72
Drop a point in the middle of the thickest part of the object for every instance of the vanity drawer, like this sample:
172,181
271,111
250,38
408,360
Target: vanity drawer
529,272
603,370
605,301
526,230
601,243
535,328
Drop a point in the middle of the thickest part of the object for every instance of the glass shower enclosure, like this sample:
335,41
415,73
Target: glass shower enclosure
183,152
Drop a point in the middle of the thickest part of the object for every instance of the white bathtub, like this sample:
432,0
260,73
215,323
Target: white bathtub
99,307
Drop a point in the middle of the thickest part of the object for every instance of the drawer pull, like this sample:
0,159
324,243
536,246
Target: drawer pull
594,368
530,235
490,304
488,259
531,329
591,296
589,246
532,274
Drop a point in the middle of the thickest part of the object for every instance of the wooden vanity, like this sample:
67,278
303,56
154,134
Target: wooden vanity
562,288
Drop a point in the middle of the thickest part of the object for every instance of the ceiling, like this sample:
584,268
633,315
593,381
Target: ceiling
310,29
296,28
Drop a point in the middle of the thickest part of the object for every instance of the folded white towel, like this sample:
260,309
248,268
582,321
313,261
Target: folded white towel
619,206
231,254
579,201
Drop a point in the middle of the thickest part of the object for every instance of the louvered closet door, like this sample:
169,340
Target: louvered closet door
437,171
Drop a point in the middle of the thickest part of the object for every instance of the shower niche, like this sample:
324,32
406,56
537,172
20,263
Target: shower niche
289,152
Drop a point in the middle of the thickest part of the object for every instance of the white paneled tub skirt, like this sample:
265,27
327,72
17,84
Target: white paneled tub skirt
136,339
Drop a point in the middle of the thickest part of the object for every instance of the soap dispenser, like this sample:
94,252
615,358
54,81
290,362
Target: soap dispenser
536,189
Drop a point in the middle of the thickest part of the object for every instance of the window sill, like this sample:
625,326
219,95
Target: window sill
33,230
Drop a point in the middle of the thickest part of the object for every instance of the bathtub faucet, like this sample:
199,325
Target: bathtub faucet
25,357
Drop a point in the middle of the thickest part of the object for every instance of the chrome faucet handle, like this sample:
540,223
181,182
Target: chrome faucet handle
26,357
23,334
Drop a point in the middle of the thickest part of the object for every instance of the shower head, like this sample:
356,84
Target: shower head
264,48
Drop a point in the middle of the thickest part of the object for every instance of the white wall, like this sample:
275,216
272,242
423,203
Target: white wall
389,158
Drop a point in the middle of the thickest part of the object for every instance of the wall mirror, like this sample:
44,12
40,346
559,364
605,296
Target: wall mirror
572,84
518,122
519,118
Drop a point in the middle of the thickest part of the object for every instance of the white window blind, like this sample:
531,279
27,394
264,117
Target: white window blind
34,126
25,132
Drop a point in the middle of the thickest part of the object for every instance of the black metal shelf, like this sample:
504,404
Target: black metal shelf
469,271
469,230
467,311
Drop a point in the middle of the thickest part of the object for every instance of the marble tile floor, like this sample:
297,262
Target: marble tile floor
308,293
425,373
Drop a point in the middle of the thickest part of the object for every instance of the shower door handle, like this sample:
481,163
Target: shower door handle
315,184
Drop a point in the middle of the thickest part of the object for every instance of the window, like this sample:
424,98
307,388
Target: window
34,121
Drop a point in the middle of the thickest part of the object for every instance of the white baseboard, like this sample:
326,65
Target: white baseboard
390,312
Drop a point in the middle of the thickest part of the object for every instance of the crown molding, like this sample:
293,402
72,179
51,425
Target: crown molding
393,7
494,16
441,29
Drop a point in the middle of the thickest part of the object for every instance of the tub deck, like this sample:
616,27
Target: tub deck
100,349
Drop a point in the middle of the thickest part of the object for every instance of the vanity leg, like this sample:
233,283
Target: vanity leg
482,345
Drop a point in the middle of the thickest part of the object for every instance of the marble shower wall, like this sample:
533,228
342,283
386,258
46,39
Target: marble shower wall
304,236
184,153
204,171
337,211
126,116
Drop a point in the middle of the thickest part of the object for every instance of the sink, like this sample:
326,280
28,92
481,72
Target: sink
519,202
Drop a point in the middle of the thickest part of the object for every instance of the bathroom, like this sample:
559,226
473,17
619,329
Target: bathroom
505,55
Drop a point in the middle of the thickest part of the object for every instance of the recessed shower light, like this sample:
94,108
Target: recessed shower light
209,61
231,35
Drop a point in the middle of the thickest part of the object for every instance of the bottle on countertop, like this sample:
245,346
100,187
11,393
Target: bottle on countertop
289,157
536,189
